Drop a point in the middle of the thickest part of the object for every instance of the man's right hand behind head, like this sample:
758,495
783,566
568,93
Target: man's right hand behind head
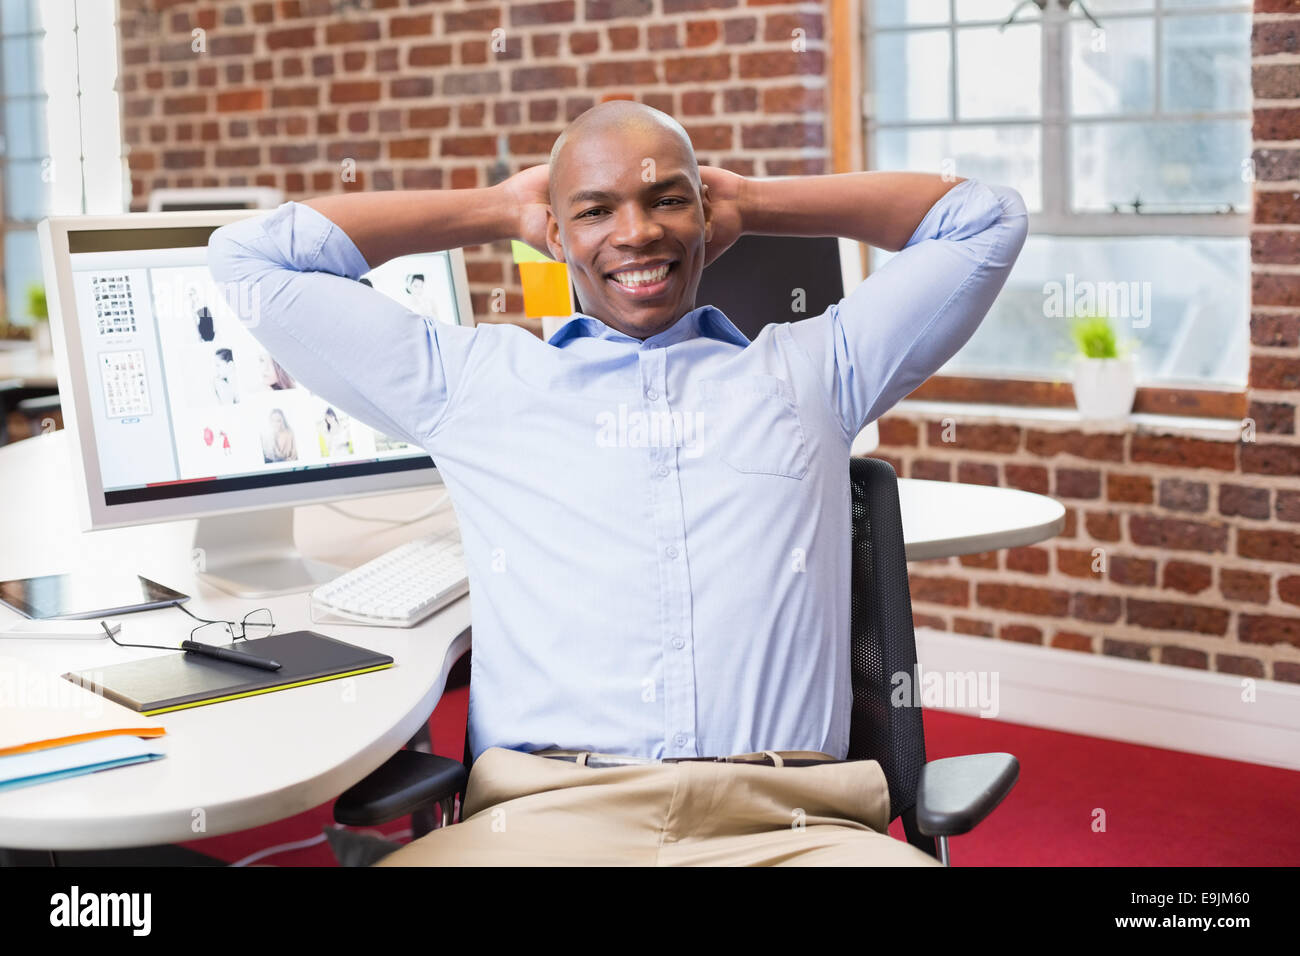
529,196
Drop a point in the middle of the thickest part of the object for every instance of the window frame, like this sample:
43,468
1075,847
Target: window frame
88,181
851,129
34,36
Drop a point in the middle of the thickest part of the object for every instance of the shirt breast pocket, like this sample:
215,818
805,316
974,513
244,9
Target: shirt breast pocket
753,425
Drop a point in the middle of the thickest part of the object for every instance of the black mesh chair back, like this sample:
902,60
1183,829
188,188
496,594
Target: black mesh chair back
882,642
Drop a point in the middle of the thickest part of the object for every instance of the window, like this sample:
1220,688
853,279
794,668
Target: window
62,140
1129,139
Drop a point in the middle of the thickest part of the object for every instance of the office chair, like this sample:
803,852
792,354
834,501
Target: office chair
937,800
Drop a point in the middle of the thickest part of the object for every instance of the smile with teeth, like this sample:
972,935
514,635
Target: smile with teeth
639,277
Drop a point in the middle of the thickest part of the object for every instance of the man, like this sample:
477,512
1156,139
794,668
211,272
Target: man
635,599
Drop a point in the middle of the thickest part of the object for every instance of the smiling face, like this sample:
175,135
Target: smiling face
635,249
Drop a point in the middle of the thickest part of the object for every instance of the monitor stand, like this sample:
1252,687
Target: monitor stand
252,554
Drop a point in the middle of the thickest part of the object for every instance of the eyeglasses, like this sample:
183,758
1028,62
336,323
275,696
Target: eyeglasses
254,624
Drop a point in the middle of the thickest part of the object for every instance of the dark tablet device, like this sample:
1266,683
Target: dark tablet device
75,597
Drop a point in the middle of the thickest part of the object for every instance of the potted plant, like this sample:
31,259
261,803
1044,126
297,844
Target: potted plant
39,312
1105,374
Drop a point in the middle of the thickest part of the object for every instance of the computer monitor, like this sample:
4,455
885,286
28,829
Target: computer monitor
765,279
171,199
150,356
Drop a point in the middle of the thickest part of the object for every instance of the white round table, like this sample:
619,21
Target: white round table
945,518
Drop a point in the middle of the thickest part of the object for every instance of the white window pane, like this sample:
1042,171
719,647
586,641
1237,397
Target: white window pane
1206,63
1097,7
997,10
19,16
1008,155
25,128
21,65
22,267
887,13
26,197
1112,70
999,72
1168,166
910,76
1181,300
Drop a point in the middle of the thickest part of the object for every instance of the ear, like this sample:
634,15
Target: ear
708,212
553,244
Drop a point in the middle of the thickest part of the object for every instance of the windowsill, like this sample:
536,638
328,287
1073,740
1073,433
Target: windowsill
1064,419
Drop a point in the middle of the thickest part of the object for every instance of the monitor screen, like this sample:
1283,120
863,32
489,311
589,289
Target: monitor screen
181,205
185,402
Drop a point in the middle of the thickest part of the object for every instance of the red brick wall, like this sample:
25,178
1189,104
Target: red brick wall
1201,537
425,95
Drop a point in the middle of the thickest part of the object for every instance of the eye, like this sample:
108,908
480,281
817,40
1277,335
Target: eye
592,209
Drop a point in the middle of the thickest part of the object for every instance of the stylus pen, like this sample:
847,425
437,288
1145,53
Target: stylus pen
225,654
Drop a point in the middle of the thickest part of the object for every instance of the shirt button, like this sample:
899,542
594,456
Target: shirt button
652,394
680,740
678,643
672,552
663,470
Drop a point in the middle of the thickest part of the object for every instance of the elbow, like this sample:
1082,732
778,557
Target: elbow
223,254
1013,204
1012,225
1014,210
238,272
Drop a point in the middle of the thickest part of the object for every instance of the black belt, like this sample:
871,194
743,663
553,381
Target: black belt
769,758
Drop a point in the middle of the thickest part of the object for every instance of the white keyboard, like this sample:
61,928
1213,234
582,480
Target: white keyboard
399,588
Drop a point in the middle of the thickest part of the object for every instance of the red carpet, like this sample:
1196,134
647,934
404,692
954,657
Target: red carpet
1162,808
447,730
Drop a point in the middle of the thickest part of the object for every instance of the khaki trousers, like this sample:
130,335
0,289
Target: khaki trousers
521,809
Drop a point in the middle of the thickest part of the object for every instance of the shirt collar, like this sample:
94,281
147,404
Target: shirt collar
706,321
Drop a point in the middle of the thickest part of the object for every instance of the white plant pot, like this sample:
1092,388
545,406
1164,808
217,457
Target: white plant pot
1105,388
41,337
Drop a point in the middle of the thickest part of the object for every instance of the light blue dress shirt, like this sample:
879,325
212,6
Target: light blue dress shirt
656,532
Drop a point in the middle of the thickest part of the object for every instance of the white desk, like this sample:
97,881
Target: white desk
241,763
945,518
248,762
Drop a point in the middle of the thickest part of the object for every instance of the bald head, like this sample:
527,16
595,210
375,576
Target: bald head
618,117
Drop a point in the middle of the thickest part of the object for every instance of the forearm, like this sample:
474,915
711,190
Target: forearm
387,224
879,208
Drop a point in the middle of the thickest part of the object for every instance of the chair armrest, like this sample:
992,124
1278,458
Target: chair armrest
409,781
954,794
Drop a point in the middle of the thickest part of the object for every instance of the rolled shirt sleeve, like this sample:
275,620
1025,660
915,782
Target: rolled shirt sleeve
289,276
908,318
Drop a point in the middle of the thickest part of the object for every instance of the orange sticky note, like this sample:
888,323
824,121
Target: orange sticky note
546,289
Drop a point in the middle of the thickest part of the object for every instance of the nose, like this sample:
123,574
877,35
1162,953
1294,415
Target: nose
633,227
